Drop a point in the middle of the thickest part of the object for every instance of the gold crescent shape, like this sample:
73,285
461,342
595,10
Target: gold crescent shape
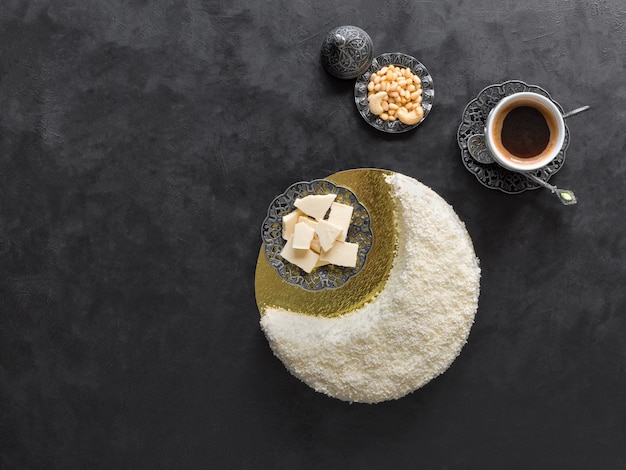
374,193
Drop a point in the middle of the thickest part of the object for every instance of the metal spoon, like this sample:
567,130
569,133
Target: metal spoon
478,150
566,196
576,111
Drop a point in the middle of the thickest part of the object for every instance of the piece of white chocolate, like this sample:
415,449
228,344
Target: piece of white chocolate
307,220
302,236
341,215
304,259
315,205
315,245
341,254
289,222
327,233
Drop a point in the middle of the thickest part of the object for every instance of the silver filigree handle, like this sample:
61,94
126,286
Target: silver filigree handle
339,40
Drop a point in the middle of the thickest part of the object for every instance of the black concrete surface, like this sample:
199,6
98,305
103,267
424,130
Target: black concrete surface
140,145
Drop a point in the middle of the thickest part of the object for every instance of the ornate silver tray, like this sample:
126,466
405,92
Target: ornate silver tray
403,60
324,277
473,120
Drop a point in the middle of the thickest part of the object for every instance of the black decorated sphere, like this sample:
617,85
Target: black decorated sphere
347,52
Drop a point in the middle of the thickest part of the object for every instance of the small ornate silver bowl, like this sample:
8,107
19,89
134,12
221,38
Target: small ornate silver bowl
324,277
402,60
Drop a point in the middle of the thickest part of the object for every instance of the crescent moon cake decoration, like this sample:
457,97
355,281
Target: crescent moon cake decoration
397,324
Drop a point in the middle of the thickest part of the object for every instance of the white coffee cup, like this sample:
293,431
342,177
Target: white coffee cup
524,131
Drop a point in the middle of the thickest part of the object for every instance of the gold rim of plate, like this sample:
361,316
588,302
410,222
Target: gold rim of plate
374,192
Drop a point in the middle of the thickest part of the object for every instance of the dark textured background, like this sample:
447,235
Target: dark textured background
140,145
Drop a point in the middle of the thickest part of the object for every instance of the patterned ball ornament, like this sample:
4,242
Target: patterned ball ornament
347,52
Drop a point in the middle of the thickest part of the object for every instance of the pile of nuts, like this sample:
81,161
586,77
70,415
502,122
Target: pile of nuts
396,93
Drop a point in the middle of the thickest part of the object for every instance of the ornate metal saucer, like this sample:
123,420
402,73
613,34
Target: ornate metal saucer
473,120
403,60
324,277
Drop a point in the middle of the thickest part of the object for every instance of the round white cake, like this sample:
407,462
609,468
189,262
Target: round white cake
411,331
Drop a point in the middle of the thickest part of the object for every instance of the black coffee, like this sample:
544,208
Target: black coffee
525,132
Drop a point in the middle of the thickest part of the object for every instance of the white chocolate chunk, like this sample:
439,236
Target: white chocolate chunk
311,240
321,263
315,244
327,233
289,222
341,215
341,254
304,259
302,236
315,205
307,220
